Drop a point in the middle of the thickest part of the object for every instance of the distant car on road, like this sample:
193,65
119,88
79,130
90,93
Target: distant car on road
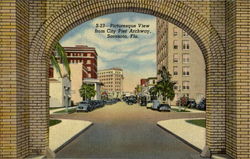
202,104
191,103
164,107
131,100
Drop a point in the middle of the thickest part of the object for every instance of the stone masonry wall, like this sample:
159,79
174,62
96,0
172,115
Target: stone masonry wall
238,79
14,84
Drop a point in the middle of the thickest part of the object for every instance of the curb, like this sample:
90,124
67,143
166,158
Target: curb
181,139
72,138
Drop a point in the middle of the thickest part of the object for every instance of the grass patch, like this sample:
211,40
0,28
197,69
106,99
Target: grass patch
53,122
177,110
69,111
199,122
53,108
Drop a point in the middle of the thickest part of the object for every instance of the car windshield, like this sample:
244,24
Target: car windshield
164,105
82,104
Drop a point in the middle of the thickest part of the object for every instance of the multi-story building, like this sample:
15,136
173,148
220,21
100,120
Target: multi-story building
180,54
112,80
83,64
145,85
85,55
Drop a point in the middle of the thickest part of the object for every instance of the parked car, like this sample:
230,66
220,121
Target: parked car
191,103
155,105
202,104
164,107
131,100
84,106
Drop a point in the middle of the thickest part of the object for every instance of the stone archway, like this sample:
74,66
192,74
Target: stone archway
41,27
175,12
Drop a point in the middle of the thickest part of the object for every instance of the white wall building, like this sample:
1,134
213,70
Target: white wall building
113,82
59,91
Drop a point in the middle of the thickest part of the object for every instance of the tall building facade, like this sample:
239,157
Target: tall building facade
180,54
83,65
112,80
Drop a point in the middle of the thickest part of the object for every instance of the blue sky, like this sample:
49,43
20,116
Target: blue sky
137,57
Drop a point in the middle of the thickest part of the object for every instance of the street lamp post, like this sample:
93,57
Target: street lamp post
66,89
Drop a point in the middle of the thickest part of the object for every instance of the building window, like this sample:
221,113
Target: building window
175,70
185,34
185,85
175,44
88,61
175,58
175,31
89,68
153,81
175,86
185,58
186,71
89,75
185,45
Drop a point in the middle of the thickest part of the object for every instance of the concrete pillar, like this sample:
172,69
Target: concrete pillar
238,78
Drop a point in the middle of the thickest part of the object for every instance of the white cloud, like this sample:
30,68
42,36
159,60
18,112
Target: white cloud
101,64
144,57
111,55
72,41
100,20
125,53
137,20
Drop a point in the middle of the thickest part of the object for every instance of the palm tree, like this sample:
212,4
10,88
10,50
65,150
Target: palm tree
87,91
166,90
60,52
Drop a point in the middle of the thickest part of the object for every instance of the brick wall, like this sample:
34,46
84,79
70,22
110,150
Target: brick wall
238,78
14,85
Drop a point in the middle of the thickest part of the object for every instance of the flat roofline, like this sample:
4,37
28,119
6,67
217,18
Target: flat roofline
114,68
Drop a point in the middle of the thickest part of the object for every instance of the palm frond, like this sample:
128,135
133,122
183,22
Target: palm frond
61,53
55,64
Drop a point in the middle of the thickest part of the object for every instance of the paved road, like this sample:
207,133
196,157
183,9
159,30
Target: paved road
127,132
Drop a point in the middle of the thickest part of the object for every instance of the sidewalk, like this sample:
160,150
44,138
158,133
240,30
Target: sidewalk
59,109
192,134
63,133
191,110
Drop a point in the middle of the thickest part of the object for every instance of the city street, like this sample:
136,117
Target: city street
123,131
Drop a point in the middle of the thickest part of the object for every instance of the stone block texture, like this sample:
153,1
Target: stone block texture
30,28
238,78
